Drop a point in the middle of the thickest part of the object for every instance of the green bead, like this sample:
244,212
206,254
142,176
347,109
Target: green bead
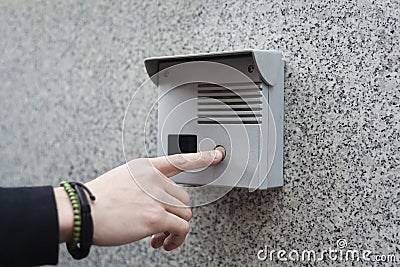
77,212
77,218
76,235
77,223
77,229
75,205
74,201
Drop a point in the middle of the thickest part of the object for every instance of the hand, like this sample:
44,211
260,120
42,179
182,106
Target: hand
127,209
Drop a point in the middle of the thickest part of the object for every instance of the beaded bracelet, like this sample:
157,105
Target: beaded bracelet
86,237
82,235
77,213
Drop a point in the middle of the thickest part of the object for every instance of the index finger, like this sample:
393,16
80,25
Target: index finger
174,164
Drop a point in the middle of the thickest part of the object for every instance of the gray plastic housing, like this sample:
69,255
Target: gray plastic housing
200,98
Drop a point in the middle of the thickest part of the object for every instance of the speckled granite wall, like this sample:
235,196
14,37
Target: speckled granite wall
68,67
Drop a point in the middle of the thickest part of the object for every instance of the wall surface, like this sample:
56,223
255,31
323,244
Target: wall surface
68,70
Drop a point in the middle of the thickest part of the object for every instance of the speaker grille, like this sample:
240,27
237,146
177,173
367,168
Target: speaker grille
229,103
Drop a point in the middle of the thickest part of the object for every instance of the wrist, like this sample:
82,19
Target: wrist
65,214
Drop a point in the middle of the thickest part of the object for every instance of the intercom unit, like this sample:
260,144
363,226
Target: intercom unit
233,99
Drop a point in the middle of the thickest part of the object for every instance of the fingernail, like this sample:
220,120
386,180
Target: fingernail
220,154
221,150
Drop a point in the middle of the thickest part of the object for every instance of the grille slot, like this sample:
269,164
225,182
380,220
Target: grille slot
229,103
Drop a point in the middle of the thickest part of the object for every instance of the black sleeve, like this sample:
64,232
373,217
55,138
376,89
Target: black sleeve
28,226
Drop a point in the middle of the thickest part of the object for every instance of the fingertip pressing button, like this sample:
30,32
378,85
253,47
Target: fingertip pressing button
222,149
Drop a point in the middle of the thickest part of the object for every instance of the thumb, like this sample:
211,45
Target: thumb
174,164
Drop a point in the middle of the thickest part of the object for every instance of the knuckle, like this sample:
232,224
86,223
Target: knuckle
186,214
185,228
178,161
154,203
186,197
207,157
182,194
155,216
189,214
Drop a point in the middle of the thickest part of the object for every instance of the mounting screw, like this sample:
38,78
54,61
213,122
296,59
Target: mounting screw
250,68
